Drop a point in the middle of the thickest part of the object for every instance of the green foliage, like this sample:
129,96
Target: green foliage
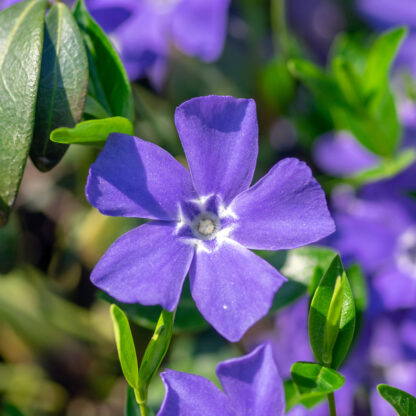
310,384
359,98
332,317
155,352
125,347
109,86
92,132
21,39
402,402
63,85
131,409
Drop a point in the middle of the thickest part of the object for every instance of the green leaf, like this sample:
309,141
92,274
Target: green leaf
125,346
387,168
131,408
155,352
332,317
21,39
109,83
63,85
93,132
312,379
402,402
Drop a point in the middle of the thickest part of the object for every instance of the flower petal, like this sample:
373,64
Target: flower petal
191,395
147,265
135,178
233,288
220,138
252,383
199,27
283,210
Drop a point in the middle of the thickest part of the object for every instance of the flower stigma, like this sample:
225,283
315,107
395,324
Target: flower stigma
206,225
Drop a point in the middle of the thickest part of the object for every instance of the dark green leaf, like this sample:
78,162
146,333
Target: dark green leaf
21,39
131,408
402,402
109,84
63,85
93,132
125,346
332,317
155,352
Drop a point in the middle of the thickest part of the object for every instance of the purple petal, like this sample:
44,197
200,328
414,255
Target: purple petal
220,138
233,288
147,265
191,395
396,289
199,27
253,384
340,154
283,210
135,178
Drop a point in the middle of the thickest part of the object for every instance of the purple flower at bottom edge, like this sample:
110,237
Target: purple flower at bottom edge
205,220
252,386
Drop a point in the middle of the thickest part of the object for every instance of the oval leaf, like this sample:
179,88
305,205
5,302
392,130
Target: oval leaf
332,317
403,403
21,39
92,131
109,84
155,352
63,85
125,346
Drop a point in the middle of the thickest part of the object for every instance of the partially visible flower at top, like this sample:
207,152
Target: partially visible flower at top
252,387
205,219
143,31
385,14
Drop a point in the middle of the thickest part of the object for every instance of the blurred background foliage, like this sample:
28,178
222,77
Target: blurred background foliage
57,352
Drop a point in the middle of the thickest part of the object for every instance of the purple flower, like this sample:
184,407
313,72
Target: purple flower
252,386
380,233
204,220
144,30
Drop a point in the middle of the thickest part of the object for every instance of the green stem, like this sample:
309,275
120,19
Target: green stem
331,403
141,403
143,409
279,26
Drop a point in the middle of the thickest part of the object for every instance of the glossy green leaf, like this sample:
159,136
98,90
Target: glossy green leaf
312,378
125,346
109,84
387,168
63,85
93,132
21,39
155,352
332,317
402,402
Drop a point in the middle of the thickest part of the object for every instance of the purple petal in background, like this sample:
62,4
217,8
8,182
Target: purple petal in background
283,210
135,178
340,154
147,265
191,395
199,27
233,288
220,138
253,384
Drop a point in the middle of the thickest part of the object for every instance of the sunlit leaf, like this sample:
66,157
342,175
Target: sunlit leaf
402,402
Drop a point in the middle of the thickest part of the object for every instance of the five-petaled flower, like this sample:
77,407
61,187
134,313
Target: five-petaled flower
252,386
205,220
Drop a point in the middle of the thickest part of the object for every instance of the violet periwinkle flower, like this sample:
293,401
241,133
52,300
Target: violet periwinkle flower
204,221
252,387
143,31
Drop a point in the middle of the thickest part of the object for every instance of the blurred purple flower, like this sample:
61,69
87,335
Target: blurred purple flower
143,31
384,14
205,219
252,386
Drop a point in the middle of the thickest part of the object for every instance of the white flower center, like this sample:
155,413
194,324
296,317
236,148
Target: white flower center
205,225
406,252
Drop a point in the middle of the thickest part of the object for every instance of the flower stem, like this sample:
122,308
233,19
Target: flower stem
331,403
141,402
279,26
143,409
